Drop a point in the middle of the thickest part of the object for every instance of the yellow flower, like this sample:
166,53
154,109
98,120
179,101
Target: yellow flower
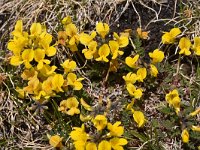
173,99
130,78
122,40
18,29
69,65
16,60
153,70
57,82
196,128
169,37
115,129
62,37
102,29
141,74
103,52
69,106
139,118
131,62
39,56
27,57
56,141
28,74
21,93
91,146
67,20
104,145
185,136
194,113
45,41
85,39
73,81
47,86
36,29
157,56
114,47
85,105
142,34
33,85
91,50
118,143
85,118
184,45
196,46
137,93
72,33
80,137
47,70
100,122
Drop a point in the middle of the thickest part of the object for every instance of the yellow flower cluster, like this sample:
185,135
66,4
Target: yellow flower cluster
184,44
174,100
34,51
112,140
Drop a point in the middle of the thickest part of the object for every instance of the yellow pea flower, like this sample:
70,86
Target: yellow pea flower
45,41
33,85
157,56
69,65
27,74
85,39
139,118
142,34
131,62
67,20
153,70
103,52
69,106
115,129
194,113
16,60
36,29
196,46
57,82
141,74
18,32
122,40
114,47
74,82
184,45
173,99
137,93
85,105
102,29
104,145
80,137
91,146
91,50
118,143
27,57
62,37
130,78
72,32
185,136
56,141
84,118
47,86
21,93
39,55
47,70
169,37
196,128
100,122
